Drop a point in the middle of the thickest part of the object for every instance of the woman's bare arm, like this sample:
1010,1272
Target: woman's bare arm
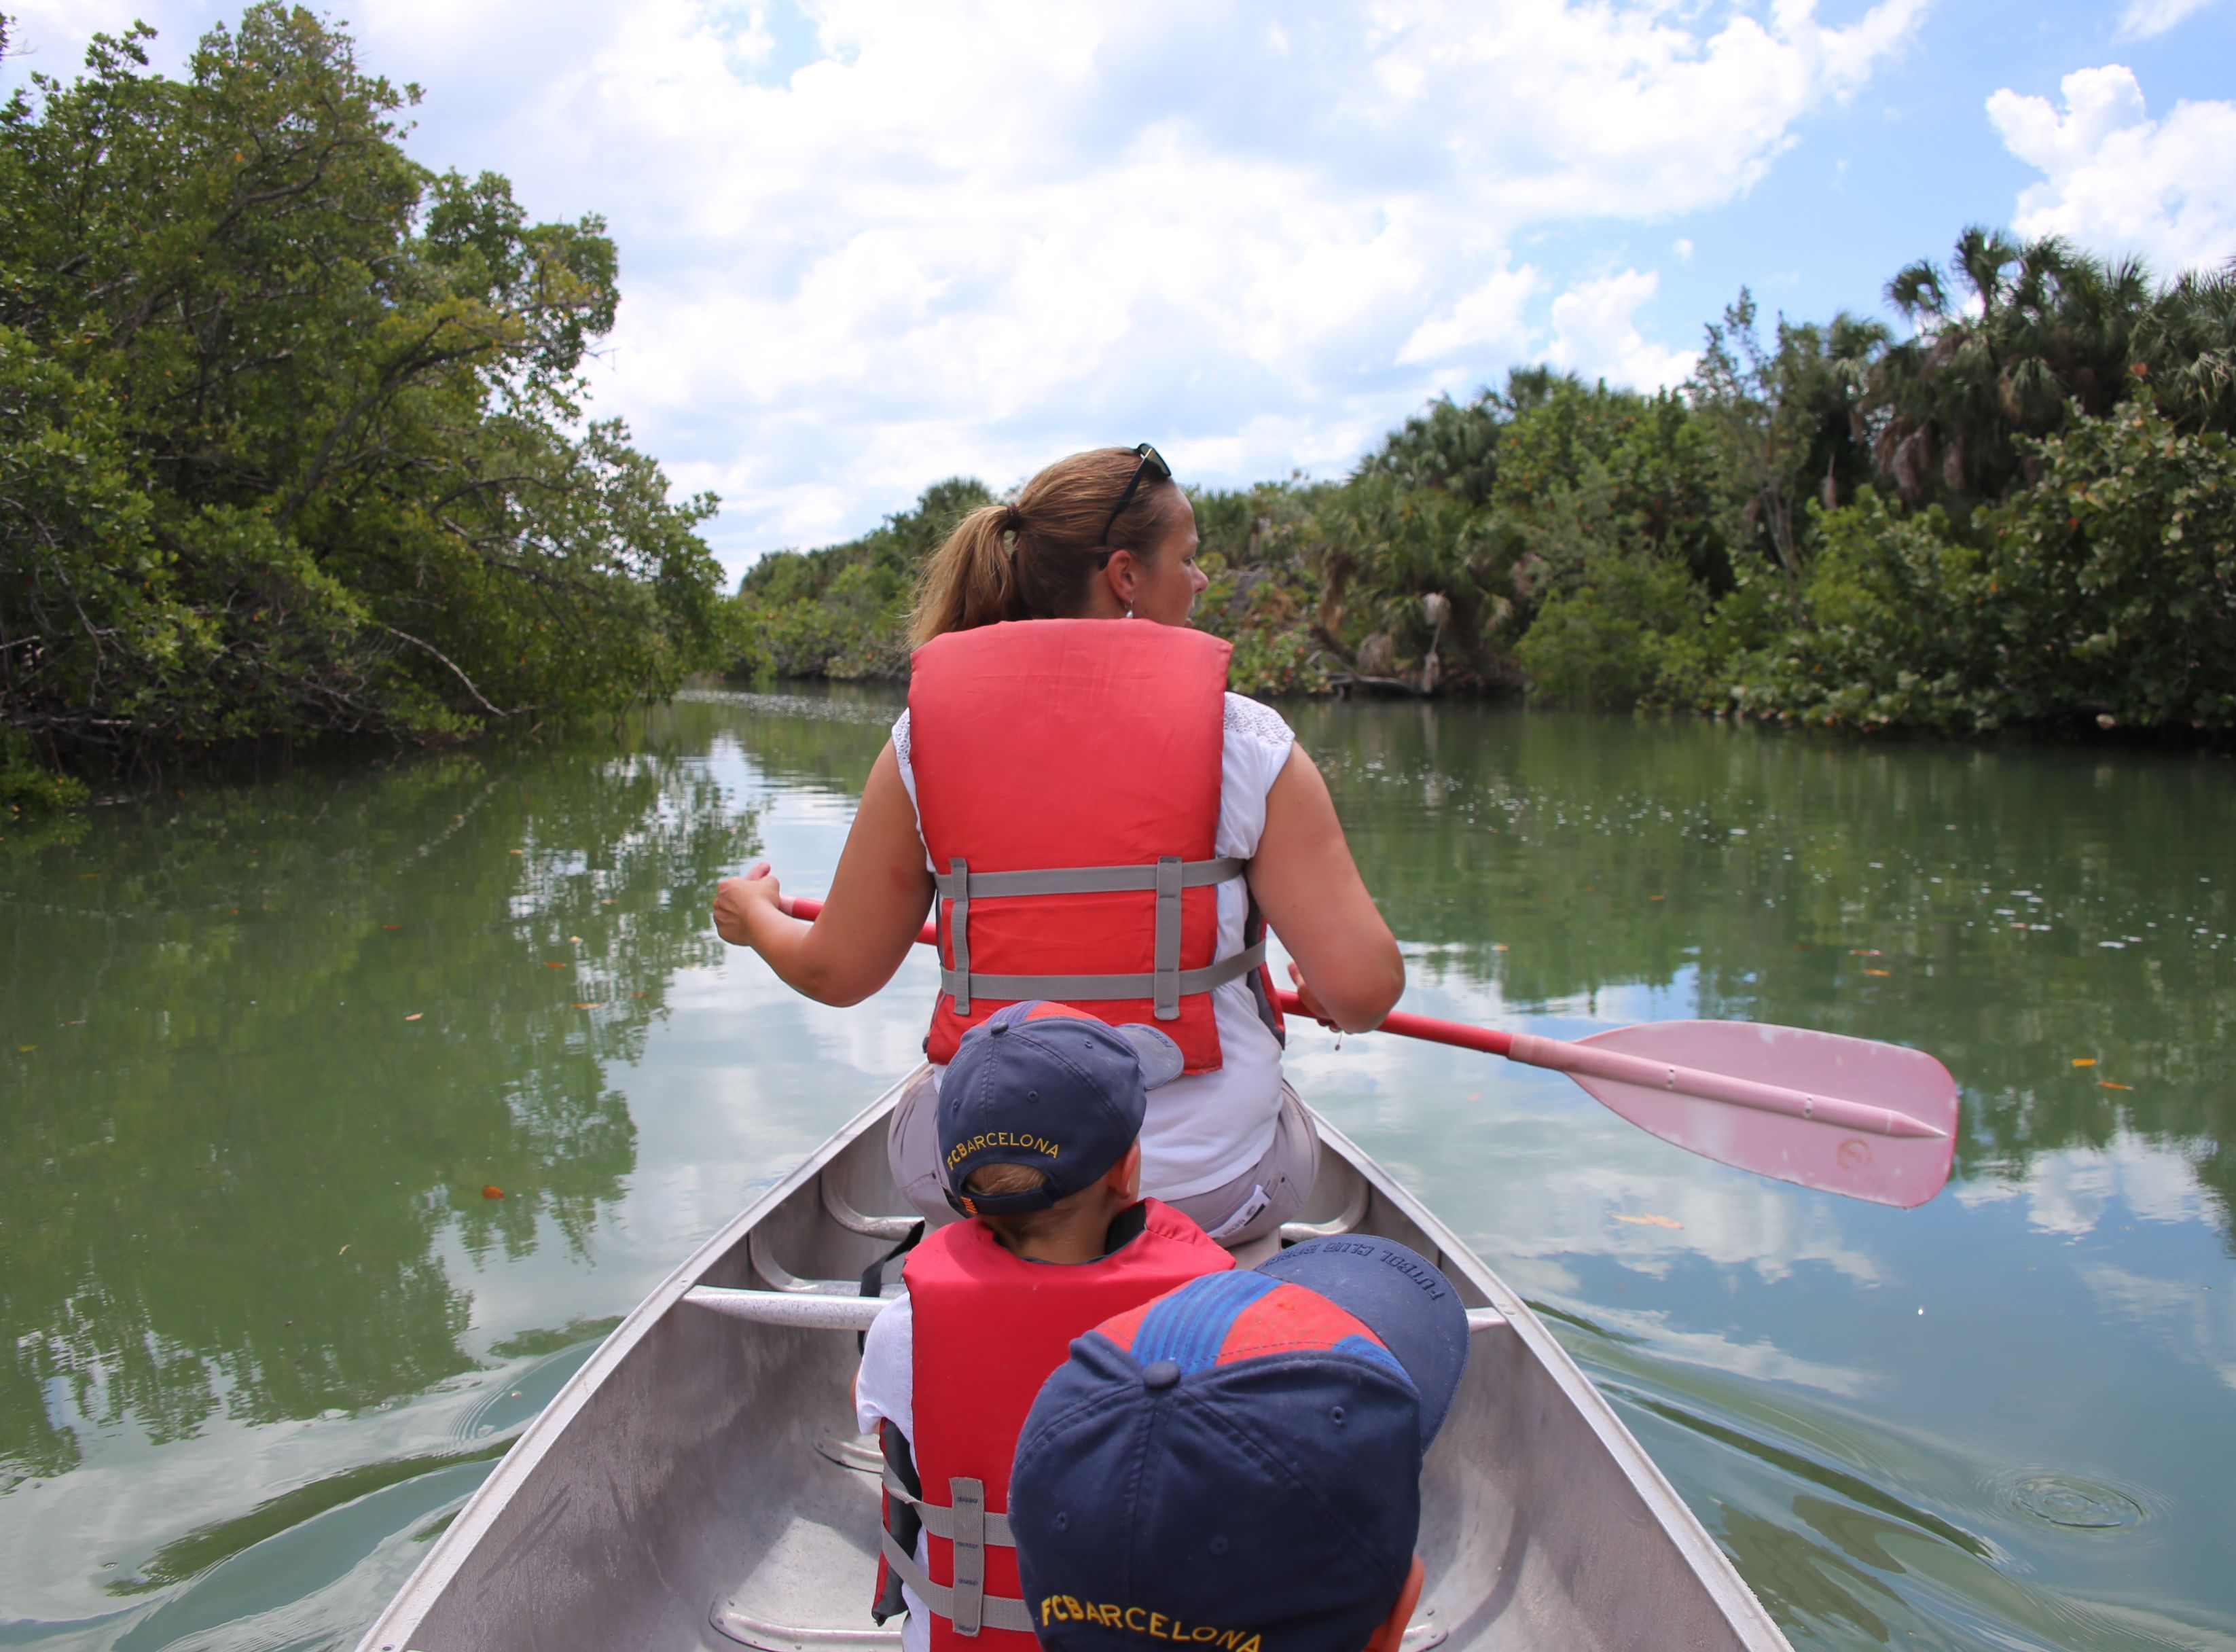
1309,890
878,898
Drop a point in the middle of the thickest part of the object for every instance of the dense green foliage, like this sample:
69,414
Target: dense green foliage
291,433
843,611
2019,514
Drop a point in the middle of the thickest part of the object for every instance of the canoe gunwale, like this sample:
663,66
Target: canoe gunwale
1708,1562
458,1542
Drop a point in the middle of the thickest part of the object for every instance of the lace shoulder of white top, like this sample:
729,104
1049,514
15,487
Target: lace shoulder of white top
1261,723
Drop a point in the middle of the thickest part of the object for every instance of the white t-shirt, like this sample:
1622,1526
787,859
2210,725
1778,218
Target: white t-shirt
1206,1129
886,1389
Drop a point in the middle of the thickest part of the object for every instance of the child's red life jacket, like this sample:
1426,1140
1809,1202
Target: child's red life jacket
1066,782
991,1327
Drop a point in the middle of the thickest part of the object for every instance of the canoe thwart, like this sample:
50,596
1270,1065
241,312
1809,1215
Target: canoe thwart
803,1310
734,1623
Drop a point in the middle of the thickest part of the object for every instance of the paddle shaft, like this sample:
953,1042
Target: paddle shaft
1583,1061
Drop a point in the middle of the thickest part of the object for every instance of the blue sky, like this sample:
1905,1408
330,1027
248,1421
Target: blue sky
866,244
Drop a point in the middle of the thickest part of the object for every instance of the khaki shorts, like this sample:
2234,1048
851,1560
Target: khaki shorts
1251,1207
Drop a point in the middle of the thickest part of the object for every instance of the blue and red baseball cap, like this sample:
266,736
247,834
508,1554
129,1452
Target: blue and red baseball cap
1050,1087
1237,1464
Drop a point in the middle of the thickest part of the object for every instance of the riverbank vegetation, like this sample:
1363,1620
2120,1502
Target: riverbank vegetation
293,441
2016,511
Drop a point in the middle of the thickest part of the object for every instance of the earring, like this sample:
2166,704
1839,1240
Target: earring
1130,610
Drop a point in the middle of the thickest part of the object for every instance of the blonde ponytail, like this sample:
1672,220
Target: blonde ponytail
970,580
1034,559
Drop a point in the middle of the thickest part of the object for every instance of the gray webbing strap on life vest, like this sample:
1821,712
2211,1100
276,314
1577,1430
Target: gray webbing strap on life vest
1164,986
965,1523
934,1515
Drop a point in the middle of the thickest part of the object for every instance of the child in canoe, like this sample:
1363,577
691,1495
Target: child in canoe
1039,1120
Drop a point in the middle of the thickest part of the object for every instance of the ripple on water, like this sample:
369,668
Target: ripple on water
2078,1504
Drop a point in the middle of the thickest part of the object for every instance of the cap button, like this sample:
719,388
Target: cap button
997,1030
1163,1373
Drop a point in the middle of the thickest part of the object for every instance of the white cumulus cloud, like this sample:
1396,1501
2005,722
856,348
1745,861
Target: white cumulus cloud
1595,332
2115,180
2147,19
868,244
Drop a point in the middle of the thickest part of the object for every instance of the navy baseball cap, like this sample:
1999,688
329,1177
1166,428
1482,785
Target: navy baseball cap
1051,1088
1236,1465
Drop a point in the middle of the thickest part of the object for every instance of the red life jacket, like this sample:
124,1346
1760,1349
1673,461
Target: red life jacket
990,1329
1066,783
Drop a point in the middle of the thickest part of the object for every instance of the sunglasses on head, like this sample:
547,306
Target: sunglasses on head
1152,464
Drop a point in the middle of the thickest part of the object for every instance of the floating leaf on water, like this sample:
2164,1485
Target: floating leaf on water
1657,897
392,926
2084,1061
575,940
25,1049
586,1006
516,852
415,1015
2105,1083
1498,947
1863,951
1651,1222
551,964
343,1251
89,874
492,1191
1878,972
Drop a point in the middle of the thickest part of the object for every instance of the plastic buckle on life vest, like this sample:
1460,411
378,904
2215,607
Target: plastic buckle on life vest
1166,1000
967,1498
958,932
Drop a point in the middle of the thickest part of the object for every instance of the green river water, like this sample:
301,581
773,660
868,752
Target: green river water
264,1047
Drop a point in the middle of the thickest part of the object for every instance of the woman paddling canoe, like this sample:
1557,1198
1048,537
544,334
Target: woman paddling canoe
1101,823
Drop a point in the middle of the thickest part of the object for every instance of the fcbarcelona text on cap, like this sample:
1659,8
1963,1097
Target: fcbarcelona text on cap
964,1149
1139,1620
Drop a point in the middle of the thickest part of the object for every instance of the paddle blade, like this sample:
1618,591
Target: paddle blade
1887,1170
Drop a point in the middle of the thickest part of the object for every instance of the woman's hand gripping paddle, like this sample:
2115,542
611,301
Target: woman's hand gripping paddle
1845,1116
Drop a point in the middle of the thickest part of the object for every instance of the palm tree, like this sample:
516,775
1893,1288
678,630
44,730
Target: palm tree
2185,350
2010,340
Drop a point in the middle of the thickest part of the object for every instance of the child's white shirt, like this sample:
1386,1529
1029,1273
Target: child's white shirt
885,1390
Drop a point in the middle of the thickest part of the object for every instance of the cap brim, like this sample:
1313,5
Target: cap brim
1160,1058
1397,1294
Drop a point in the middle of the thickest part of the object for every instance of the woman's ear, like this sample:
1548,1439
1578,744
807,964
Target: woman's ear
1122,576
1386,1638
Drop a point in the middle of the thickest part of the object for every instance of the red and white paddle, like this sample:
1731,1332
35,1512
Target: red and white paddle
1846,1115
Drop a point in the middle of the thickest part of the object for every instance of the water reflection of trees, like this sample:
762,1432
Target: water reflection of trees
225,1164
1783,864
813,736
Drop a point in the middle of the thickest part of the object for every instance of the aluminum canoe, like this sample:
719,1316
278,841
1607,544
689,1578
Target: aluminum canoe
698,1482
